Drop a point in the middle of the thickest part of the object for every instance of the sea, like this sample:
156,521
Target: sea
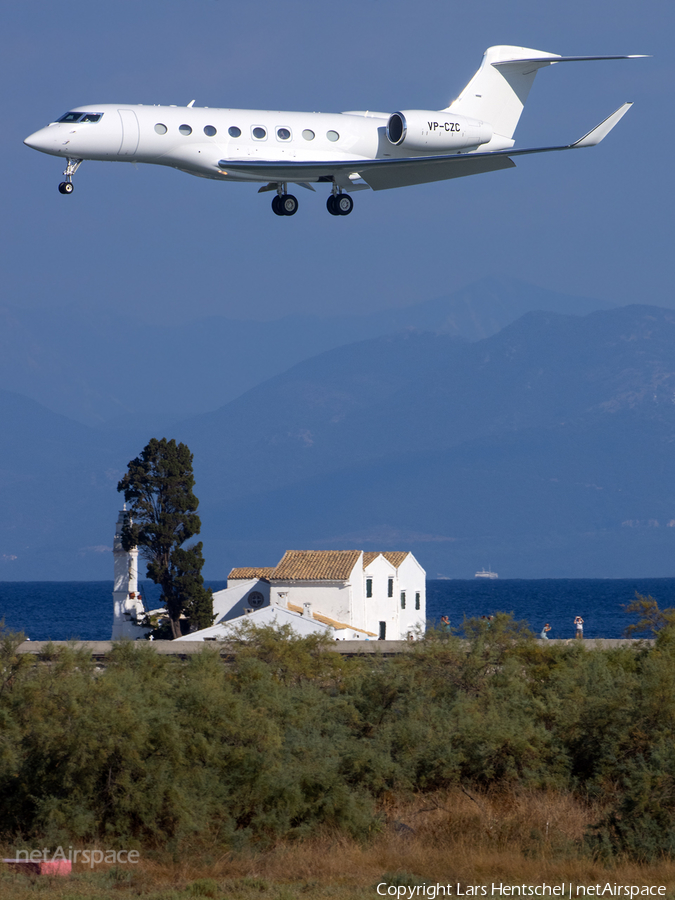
61,610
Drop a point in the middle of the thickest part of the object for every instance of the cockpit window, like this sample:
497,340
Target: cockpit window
80,116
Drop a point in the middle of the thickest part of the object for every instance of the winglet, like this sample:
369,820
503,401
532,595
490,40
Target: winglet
603,129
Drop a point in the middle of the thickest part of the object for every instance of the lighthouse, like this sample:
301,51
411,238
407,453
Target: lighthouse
128,607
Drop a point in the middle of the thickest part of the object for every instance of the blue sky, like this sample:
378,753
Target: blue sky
156,244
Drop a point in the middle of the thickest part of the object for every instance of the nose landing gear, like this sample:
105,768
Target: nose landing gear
67,186
284,204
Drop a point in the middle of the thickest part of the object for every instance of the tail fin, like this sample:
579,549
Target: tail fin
497,92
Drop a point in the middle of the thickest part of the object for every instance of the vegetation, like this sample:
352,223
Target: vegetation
495,757
162,517
651,619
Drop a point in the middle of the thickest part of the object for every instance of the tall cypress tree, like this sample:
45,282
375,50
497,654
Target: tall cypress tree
162,517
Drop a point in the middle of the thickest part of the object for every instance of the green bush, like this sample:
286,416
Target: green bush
290,737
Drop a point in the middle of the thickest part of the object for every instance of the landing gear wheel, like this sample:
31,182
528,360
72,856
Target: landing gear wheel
289,204
344,204
331,206
276,206
66,187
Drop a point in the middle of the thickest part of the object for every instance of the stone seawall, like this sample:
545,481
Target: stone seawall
183,649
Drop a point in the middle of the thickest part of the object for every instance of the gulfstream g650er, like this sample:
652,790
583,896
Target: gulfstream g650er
348,152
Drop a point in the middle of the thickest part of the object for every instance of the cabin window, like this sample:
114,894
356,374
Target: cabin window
91,117
210,131
283,134
71,117
402,599
233,131
390,588
332,136
418,600
369,587
259,133
308,134
160,129
185,129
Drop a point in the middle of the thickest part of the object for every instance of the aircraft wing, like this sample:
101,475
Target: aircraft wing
379,174
382,174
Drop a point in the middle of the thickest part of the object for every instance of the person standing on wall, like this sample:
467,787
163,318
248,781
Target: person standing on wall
579,626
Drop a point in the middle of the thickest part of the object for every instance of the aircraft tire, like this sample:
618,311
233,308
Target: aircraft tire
344,204
276,205
331,207
289,205
66,187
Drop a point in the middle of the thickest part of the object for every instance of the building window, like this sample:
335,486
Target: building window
383,631
390,588
418,600
402,599
369,587
256,599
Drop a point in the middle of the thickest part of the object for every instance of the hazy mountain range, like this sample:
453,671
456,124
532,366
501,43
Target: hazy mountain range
543,448
99,367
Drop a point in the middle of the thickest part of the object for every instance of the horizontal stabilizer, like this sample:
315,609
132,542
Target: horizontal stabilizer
538,62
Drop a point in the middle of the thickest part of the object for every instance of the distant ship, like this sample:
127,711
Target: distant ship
486,573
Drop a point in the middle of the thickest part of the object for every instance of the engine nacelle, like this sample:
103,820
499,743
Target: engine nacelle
436,132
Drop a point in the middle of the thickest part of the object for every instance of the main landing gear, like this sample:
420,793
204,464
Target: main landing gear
67,186
284,204
339,204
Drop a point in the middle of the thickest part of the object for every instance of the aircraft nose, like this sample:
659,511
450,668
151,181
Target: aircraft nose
40,140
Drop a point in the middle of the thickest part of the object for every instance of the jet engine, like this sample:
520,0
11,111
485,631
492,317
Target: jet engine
436,132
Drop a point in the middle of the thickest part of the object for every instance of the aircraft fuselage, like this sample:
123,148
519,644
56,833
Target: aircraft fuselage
196,139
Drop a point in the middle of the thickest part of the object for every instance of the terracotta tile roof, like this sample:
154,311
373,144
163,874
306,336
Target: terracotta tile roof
395,557
247,572
316,565
326,620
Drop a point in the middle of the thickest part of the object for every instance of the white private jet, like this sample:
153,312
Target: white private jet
349,151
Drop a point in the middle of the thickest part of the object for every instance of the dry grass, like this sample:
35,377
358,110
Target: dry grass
452,838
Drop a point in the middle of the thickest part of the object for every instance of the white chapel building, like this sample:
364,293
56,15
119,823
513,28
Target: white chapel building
351,594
